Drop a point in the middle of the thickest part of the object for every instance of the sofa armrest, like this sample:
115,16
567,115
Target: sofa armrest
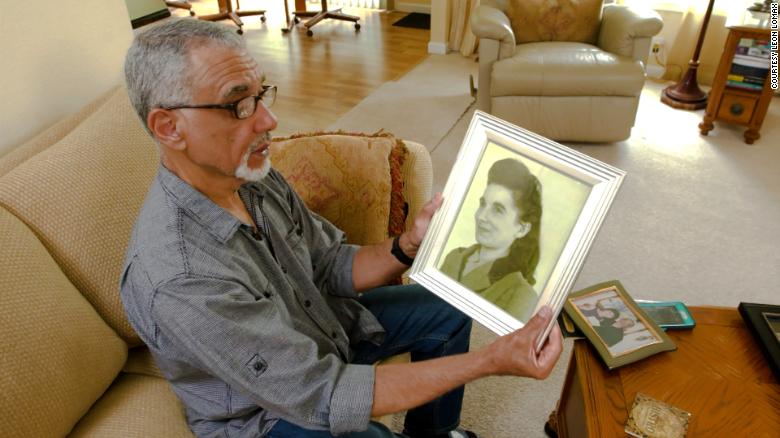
496,41
490,23
627,31
417,177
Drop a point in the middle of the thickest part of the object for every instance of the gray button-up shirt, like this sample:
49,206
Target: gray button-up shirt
246,330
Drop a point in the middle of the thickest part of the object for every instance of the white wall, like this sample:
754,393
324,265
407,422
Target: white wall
440,26
56,57
421,6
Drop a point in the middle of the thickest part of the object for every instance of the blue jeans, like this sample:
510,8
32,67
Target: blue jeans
419,322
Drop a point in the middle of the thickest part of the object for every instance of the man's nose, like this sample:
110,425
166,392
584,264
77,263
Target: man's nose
265,120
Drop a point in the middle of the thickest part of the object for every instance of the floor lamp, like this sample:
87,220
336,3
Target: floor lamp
686,93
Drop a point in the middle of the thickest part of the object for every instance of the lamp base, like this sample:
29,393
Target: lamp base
686,93
691,106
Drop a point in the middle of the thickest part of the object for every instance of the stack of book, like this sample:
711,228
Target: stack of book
750,65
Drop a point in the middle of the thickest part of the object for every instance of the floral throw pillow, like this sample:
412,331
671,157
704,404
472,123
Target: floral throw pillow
352,180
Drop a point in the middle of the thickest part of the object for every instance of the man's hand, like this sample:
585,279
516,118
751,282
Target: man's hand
402,386
410,241
514,354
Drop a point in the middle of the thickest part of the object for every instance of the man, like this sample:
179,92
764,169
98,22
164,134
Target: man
611,326
249,302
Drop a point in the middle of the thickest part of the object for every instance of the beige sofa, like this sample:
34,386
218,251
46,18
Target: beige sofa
70,362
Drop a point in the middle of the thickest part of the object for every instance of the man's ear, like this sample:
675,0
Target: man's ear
164,126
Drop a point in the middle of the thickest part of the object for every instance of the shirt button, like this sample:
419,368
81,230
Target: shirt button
307,303
333,335
267,294
284,269
299,231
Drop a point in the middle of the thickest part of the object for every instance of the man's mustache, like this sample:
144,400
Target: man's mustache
262,138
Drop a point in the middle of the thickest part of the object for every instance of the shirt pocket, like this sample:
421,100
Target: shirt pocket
258,286
297,245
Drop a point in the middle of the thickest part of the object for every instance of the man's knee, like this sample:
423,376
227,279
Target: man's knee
438,308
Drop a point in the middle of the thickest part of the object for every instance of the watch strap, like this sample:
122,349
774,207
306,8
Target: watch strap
399,253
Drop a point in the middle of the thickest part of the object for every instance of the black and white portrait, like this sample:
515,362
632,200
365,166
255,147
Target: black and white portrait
508,234
519,213
501,264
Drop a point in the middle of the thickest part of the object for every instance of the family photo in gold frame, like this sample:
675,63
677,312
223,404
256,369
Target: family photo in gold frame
519,215
616,326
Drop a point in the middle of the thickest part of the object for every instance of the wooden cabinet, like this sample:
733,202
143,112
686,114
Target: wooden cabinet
735,104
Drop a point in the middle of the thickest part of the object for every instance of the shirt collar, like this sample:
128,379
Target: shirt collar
477,279
215,219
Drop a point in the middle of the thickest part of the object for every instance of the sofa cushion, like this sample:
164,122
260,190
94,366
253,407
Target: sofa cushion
566,69
58,356
50,135
140,361
417,176
362,197
135,406
81,197
555,20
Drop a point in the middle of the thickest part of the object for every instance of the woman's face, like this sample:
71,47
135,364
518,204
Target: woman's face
498,219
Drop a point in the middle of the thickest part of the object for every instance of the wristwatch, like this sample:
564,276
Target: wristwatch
399,254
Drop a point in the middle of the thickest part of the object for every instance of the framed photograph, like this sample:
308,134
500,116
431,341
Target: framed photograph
519,215
615,324
763,320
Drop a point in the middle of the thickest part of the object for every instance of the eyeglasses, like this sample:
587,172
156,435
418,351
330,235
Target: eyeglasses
242,108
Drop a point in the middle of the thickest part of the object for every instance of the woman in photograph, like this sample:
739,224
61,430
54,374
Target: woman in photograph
501,265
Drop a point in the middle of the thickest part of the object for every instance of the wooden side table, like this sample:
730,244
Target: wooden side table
717,373
732,104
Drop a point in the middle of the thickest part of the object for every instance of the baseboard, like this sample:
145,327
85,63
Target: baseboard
437,48
412,7
150,18
655,71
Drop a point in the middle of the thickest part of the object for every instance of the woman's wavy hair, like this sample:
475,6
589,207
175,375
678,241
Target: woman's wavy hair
527,193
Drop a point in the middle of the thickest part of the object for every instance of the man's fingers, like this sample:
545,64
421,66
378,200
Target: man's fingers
539,321
438,199
434,204
551,349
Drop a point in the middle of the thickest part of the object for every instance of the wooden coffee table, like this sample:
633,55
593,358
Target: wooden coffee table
717,373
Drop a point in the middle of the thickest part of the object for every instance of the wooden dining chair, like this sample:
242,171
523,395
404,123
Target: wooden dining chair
226,11
183,4
317,16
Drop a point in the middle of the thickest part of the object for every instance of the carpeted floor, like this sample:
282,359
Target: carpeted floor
697,218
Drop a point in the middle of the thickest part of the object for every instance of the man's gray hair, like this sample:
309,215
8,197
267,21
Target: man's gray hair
156,70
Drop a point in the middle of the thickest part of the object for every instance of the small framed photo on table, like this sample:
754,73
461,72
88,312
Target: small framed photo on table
519,215
615,324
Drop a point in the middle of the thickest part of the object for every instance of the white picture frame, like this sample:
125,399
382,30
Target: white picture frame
572,191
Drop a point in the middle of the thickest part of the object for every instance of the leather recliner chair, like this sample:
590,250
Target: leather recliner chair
563,90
